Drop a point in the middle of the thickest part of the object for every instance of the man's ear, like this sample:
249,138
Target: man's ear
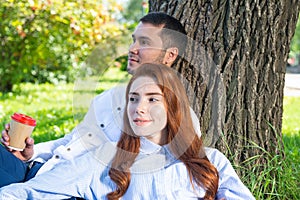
170,56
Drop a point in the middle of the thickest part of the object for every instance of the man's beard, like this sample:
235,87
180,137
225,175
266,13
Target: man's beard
160,58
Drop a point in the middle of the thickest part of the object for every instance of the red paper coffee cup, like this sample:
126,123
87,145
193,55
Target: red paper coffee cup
23,119
21,127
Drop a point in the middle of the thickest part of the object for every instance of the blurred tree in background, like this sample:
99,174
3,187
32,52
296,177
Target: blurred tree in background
295,44
134,10
50,40
294,55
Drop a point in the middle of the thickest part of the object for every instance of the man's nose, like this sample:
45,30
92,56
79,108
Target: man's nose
133,48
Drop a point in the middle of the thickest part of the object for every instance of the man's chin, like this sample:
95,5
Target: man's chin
131,69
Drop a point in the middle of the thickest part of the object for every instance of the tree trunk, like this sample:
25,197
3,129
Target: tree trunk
236,66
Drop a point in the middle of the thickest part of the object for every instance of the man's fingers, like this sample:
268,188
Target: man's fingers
5,136
29,141
7,127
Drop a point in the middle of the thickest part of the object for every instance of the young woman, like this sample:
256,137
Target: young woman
158,111
159,155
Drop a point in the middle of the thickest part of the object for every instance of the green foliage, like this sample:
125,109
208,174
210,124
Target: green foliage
295,43
48,41
122,62
294,55
134,10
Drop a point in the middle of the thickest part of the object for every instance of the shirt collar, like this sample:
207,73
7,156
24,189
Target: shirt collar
148,147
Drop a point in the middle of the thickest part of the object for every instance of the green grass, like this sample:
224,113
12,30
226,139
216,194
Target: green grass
279,177
291,116
59,108
291,134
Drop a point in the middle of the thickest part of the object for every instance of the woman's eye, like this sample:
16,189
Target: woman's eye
133,99
153,99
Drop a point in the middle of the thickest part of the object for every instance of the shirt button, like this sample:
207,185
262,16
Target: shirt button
69,149
118,108
90,135
102,125
57,156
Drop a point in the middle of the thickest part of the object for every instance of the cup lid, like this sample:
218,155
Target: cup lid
24,119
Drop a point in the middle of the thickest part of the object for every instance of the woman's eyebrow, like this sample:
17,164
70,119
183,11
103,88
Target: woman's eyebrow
147,94
154,93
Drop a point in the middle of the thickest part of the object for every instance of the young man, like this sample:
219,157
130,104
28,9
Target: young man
152,42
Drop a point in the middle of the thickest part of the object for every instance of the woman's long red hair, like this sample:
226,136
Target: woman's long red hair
181,139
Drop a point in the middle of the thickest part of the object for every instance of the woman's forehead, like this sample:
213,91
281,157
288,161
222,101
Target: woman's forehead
144,84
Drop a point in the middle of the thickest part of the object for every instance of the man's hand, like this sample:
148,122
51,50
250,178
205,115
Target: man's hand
24,155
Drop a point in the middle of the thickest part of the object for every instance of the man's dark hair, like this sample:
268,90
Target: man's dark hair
173,33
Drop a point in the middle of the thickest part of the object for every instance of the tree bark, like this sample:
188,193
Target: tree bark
236,66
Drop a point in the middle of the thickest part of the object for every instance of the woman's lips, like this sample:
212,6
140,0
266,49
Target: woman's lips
141,122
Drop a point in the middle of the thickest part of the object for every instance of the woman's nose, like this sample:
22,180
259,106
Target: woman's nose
141,108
